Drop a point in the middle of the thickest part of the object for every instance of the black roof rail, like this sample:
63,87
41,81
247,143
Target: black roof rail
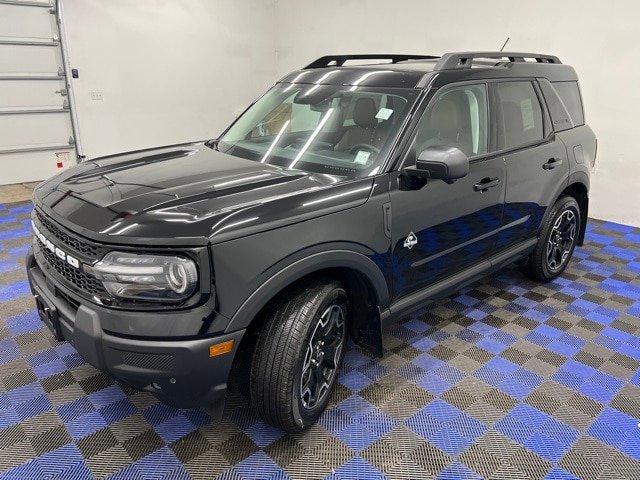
339,60
465,59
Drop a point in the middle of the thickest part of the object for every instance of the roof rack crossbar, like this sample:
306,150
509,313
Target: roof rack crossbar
465,59
339,60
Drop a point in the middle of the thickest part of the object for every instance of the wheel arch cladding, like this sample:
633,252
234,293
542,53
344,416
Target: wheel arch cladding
579,191
362,278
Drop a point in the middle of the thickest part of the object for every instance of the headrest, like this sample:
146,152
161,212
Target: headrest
512,121
445,114
364,112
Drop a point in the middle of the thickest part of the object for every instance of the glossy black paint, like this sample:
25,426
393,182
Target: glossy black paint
188,195
249,262
259,228
455,226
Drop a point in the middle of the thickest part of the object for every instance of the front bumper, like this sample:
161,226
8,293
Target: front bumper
179,372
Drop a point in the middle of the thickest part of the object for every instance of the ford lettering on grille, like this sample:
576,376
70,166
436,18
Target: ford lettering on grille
61,254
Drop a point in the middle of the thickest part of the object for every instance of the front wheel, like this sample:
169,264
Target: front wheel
298,354
557,241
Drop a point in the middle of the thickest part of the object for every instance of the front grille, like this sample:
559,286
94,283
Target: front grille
86,251
83,281
78,245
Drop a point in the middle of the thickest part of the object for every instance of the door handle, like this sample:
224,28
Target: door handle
552,163
485,184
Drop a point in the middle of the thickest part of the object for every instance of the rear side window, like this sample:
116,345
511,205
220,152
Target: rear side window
520,114
570,95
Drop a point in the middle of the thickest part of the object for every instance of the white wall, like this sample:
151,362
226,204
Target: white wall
178,70
167,71
600,39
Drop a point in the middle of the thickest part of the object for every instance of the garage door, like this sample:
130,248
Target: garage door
36,125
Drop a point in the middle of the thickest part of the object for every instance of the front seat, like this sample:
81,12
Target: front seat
365,129
445,126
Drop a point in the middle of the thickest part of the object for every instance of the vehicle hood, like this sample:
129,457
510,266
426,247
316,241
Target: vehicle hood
188,194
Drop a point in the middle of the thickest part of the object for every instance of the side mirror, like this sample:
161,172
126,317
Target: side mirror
444,163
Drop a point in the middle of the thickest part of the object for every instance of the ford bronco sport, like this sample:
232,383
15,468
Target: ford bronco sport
347,196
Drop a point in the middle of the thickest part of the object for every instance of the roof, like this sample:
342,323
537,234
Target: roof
417,71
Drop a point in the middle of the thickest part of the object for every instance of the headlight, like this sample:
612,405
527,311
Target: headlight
159,278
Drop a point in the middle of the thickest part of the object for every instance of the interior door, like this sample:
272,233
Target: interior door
442,228
536,160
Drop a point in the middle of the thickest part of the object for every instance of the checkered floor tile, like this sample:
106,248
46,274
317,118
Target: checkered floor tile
509,379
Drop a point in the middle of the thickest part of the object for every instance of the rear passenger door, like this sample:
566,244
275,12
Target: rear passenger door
536,160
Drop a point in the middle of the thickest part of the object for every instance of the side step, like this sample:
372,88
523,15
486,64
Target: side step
455,282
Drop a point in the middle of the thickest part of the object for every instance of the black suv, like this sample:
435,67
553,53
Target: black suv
346,196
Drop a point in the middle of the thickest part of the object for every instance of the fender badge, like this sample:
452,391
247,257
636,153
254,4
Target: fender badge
410,241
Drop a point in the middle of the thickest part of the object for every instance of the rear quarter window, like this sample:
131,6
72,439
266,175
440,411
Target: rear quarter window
559,116
569,93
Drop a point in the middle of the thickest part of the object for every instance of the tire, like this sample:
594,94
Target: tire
283,355
541,266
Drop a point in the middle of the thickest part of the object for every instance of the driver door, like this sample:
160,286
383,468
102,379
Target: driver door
438,228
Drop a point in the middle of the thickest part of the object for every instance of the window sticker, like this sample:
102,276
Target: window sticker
362,157
384,113
526,109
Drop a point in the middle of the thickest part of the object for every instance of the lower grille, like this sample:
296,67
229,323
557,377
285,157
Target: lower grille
148,361
74,304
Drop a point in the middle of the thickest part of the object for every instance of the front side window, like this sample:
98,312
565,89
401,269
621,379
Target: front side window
332,129
520,114
455,117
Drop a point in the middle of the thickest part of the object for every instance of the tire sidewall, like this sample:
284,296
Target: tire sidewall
304,417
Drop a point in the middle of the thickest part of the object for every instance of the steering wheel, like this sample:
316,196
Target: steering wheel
295,142
364,146
317,145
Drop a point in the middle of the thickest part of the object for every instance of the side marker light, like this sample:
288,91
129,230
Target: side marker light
220,348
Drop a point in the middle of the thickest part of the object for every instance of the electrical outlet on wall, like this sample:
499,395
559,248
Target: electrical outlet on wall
96,95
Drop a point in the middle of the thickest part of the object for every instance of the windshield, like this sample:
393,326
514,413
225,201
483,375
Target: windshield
332,129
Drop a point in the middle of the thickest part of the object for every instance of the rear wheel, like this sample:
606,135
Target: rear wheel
298,354
557,241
